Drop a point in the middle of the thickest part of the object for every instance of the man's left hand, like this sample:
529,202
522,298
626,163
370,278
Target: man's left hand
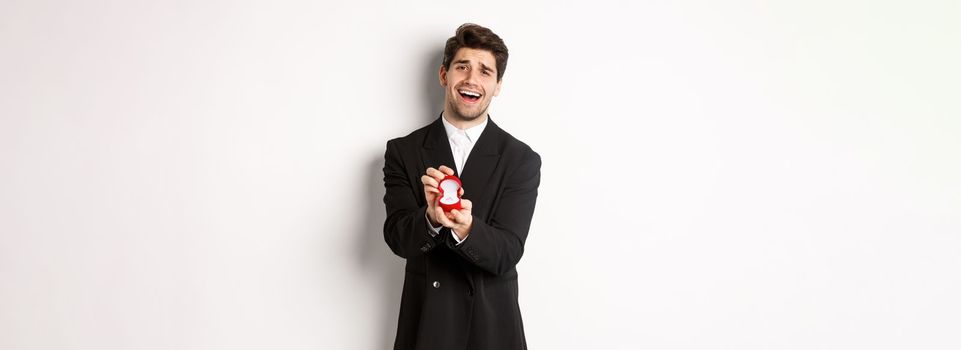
459,220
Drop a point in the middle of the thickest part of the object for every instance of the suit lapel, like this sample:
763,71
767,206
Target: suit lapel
480,165
436,151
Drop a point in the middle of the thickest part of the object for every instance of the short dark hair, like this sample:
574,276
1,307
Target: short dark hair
473,36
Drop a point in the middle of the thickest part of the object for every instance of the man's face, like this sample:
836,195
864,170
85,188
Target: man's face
470,83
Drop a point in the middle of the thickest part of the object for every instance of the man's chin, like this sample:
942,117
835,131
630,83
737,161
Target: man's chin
468,114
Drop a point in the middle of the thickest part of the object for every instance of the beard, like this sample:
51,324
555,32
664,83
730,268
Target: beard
467,113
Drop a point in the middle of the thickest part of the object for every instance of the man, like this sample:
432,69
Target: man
460,283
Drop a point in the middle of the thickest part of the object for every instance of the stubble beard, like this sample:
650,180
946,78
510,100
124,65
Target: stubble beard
460,113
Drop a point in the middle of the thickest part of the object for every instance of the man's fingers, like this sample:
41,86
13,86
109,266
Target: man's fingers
436,174
442,217
428,181
461,216
446,170
466,204
460,193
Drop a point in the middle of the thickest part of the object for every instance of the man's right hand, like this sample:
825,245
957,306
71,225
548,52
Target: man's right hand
431,180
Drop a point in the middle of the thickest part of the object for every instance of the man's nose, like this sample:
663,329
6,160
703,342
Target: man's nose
471,76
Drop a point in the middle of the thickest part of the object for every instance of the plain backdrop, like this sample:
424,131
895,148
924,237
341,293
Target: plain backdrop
207,174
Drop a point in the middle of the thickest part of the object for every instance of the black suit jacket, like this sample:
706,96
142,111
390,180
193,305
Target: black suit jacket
461,296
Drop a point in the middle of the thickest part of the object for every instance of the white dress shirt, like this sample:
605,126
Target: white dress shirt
461,148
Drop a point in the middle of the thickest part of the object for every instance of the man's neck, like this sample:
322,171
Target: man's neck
464,124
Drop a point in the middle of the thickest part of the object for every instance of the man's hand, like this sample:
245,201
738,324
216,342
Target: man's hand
458,220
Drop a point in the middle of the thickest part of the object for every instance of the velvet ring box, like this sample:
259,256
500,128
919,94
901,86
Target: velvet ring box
449,188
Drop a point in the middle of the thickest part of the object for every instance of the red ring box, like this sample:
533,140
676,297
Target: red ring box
449,188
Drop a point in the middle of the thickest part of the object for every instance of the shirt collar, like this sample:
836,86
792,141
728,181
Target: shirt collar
472,133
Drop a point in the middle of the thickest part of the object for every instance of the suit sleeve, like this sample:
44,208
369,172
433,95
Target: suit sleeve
406,229
497,247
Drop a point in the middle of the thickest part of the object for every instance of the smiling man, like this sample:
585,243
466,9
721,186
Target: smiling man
460,283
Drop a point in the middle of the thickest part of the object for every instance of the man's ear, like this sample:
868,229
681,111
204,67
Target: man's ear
497,89
442,73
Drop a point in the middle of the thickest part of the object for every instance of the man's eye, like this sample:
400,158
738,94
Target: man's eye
462,67
487,72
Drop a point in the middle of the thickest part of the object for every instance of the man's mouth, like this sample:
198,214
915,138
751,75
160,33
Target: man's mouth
469,96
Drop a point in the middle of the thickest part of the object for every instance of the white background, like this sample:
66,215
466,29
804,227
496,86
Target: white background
716,175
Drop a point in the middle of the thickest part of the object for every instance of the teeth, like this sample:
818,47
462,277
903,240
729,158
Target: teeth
469,93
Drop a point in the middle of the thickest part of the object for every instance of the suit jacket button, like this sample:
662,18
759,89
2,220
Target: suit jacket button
436,284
